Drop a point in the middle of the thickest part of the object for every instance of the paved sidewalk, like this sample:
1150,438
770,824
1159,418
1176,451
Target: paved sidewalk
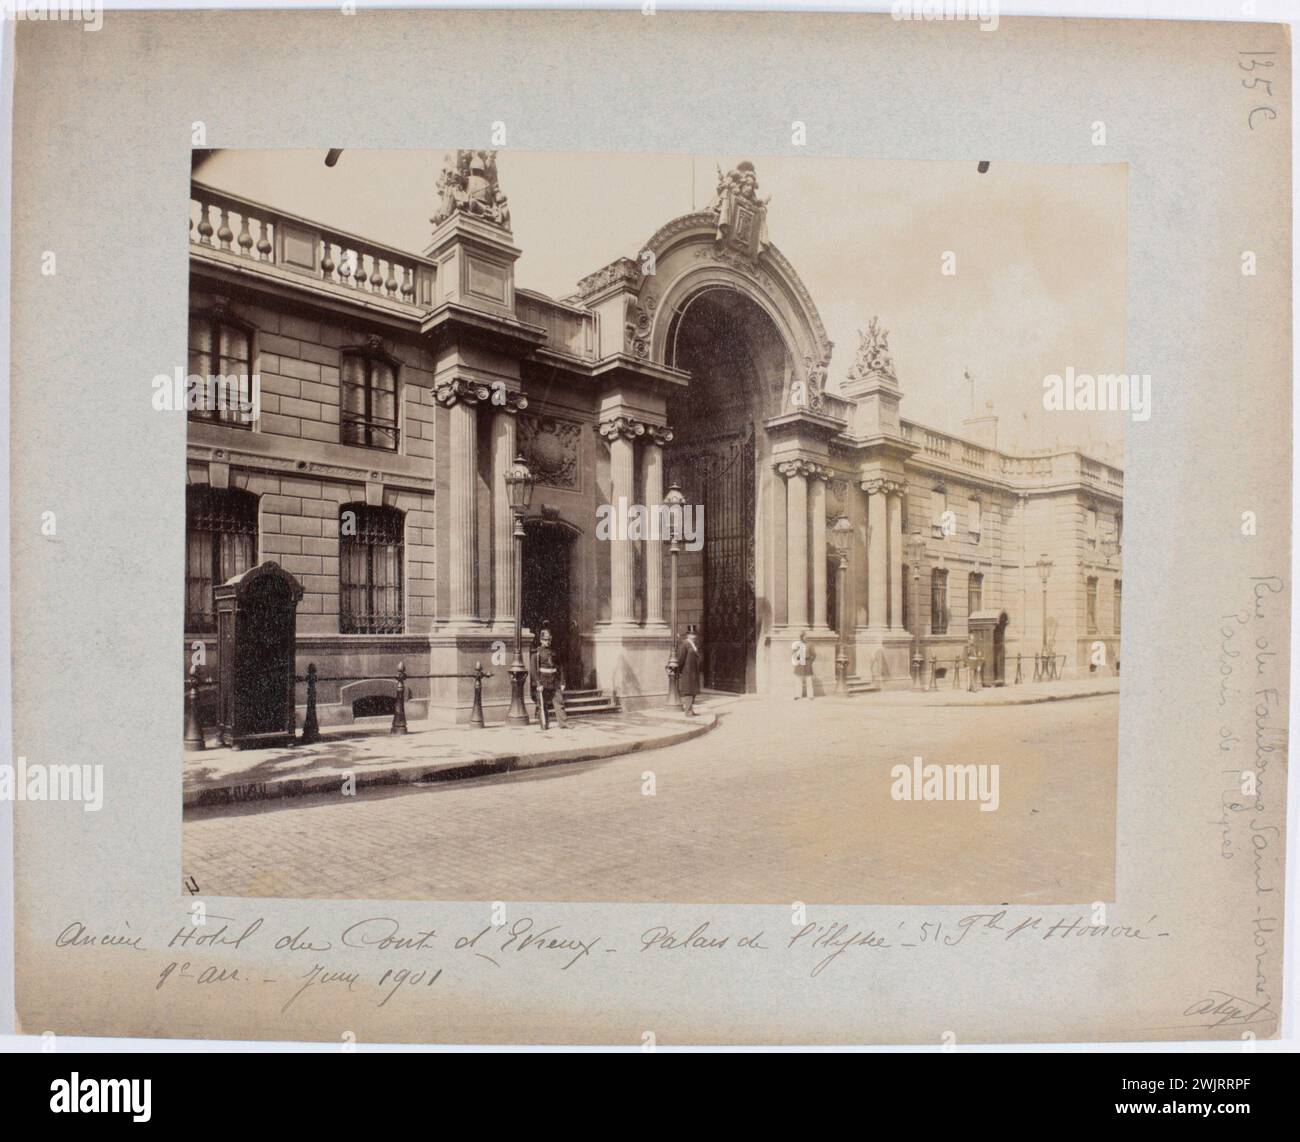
1023,695
214,777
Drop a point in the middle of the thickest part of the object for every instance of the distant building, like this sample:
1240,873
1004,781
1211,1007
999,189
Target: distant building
396,388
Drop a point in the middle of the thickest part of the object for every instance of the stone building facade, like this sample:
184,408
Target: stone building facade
396,389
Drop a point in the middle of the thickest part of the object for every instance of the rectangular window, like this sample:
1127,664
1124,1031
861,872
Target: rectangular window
938,507
1118,607
975,522
371,599
1092,604
220,543
368,410
220,356
939,601
1090,526
975,593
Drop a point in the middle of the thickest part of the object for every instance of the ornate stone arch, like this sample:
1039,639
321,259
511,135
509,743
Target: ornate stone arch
689,259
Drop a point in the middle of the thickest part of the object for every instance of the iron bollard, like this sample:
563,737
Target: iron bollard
934,673
399,708
956,672
310,726
1019,676
193,728
476,715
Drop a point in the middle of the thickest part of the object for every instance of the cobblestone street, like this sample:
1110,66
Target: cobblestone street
783,801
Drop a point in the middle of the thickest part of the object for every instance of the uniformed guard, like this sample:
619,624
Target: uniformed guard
548,682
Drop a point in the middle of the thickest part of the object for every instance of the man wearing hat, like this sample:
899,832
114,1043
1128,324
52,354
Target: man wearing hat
688,681
547,678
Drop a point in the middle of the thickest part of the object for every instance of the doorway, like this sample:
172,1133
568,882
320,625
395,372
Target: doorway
548,549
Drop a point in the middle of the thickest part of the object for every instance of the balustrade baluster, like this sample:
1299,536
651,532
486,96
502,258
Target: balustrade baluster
390,283
359,274
245,238
225,235
205,224
327,260
264,246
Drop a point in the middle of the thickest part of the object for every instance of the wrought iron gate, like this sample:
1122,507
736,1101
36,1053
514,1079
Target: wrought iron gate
718,473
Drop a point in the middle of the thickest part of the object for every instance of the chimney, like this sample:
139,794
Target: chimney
983,430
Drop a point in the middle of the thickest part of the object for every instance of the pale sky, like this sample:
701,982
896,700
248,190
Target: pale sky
1040,254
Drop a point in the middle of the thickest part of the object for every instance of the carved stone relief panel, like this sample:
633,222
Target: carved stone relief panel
552,447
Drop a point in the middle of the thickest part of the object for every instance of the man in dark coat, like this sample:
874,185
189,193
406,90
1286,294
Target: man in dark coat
688,682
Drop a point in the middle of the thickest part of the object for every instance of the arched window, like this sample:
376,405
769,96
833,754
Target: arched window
370,570
220,543
368,412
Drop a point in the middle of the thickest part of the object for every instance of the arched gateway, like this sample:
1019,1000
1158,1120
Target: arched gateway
727,315
701,362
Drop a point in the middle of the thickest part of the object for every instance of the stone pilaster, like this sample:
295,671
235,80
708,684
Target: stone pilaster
652,461
796,473
620,432
504,450
894,491
817,546
877,557
461,398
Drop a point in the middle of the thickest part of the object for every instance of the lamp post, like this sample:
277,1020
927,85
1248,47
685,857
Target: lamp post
1044,570
519,485
841,530
915,554
673,502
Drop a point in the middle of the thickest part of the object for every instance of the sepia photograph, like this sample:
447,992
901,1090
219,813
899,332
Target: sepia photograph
703,524
686,531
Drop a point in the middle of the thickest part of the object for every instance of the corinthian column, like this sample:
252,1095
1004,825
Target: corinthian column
461,397
619,432
652,460
504,450
877,556
896,585
796,514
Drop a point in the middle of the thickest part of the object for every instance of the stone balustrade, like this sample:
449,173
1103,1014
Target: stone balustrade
263,235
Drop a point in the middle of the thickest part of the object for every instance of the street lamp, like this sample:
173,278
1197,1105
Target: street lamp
1044,570
915,555
673,503
519,485
841,530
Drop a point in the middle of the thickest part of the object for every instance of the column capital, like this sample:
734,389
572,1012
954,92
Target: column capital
878,484
629,428
463,390
806,468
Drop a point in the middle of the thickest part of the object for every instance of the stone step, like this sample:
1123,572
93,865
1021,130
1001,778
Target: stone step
580,703
858,685
588,711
